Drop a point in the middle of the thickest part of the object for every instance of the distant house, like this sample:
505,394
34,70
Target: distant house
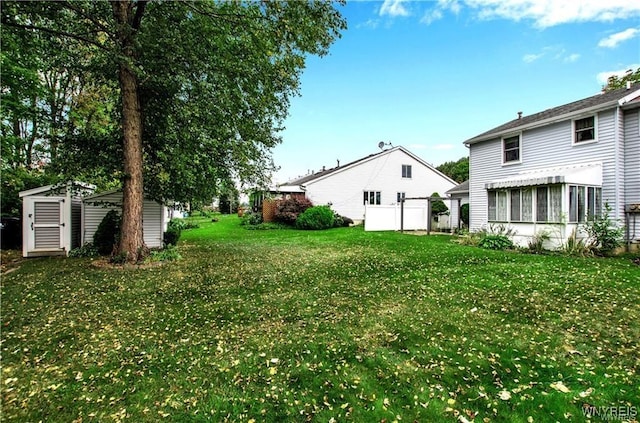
553,170
381,178
155,216
460,192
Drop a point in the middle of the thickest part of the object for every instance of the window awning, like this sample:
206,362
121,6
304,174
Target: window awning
583,174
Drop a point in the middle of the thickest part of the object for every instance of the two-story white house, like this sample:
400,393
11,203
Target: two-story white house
378,179
551,171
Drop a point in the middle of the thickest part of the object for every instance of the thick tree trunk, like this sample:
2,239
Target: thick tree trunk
131,232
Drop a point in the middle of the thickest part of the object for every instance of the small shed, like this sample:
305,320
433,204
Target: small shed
155,216
52,218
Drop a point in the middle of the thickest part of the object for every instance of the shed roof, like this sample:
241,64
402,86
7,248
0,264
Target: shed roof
596,102
463,188
56,187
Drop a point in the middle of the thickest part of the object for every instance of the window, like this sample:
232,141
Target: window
584,203
511,149
527,205
372,197
497,201
584,130
406,171
400,196
549,204
515,205
492,202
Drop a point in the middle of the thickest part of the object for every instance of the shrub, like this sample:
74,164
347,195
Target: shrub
604,235
536,243
87,250
167,254
314,218
496,242
576,246
287,211
251,219
174,230
464,213
438,206
108,233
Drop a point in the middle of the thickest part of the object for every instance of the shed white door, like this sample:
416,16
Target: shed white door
46,224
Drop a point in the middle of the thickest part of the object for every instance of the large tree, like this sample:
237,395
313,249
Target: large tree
203,89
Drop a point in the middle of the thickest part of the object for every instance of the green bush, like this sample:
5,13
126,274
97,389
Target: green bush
87,250
464,213
167,254
251,219
604,235
108,233
314,218
287,211
174,230
496,242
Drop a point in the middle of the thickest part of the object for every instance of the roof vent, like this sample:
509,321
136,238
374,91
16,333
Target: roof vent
519,115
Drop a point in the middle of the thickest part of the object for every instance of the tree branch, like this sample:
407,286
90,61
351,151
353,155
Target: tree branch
56,32
137,19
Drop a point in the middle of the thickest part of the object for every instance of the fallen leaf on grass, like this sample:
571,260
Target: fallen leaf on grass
559,386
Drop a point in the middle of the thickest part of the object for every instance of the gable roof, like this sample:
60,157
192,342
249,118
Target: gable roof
463,188
327,172
55,188
600,101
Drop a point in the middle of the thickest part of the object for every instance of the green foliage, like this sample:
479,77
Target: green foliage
287,211
438,206
458,170
119,258
614,82
496,242
537,241
316,218
169,253
464,213
251,219
173,232
19,179
265,226
576,247
87,250
106,236
604,235
466,237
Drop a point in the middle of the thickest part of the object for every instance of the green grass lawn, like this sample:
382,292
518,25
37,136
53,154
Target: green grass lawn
338,325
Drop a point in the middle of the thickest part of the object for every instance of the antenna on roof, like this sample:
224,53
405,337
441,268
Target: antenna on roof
381,144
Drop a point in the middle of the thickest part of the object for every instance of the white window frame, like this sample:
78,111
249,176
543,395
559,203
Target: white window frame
574,138
377,198
504,151
407,171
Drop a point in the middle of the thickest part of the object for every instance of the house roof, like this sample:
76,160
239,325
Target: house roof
463,188
600,101
56,187
327,172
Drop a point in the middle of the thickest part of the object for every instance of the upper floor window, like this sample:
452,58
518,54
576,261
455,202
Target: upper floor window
584,129
511,149
406,171
400,197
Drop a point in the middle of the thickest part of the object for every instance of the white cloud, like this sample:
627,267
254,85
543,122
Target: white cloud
431,16
602,77
393,8
613,40
370,24
571,58
546,13
528,58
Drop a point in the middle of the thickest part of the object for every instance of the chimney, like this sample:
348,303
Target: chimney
323,168
519,115
338,160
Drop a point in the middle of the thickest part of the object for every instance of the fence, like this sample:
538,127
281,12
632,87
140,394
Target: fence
416,218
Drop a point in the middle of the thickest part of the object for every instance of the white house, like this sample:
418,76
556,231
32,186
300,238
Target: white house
378,179
460,192
155,216
551,171
51,224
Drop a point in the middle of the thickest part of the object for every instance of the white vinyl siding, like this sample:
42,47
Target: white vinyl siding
344,188
547,147
632,165
97,207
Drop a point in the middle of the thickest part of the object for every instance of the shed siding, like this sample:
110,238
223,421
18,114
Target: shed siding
95,210
344,189
545,147
76,222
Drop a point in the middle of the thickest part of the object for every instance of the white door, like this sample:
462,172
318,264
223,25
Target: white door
46,220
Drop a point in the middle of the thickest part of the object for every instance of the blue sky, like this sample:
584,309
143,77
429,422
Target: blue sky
430,74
